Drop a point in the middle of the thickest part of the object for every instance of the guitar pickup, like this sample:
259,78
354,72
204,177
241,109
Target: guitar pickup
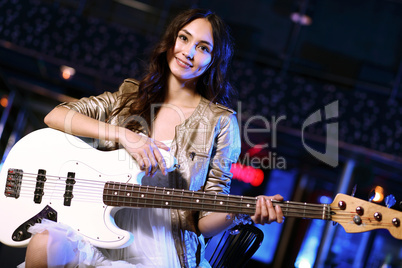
40,183
68,194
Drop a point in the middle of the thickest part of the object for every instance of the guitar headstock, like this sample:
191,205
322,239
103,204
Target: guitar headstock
357,215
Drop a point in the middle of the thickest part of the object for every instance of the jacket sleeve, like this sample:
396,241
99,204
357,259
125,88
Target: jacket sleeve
97,107
226,151
100,107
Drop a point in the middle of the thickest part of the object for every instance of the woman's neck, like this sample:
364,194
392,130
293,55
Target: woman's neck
182,93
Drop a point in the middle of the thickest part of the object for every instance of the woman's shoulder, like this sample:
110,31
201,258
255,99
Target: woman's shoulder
219,109
129,85
216,112
225,108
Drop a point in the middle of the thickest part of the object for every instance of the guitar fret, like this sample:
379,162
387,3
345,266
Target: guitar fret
214,202
226,201
181,197
241,202
130,195
154,194
192,195
202,203
119,194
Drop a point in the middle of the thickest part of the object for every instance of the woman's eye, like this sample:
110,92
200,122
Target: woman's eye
204,49
183,37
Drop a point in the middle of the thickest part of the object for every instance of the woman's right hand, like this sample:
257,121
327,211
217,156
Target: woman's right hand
144,150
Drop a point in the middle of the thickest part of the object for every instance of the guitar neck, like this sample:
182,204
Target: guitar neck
134,195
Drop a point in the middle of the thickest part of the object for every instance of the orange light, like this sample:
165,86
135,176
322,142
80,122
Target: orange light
67,72
4,101
379,194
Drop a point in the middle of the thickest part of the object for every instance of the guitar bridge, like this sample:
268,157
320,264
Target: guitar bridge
21,233
13,183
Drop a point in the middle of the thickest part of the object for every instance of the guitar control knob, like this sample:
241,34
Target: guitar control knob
51,216
396,222
19,235
27,226
342,205
357,220
378,216
360,211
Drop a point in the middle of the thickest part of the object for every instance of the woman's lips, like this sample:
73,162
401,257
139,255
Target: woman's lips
183,63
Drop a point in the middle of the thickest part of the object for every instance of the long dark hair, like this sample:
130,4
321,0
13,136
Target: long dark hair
213,84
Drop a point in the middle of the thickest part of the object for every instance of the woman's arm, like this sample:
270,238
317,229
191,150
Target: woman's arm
143,149
219,176
72,122
215,223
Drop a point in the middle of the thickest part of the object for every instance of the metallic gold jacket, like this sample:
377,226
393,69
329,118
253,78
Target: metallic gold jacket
205,145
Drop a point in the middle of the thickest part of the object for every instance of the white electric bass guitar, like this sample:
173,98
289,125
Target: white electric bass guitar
52,175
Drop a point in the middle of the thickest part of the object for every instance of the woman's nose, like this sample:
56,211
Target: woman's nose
189,52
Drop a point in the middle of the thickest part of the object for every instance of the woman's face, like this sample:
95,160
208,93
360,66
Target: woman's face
192,52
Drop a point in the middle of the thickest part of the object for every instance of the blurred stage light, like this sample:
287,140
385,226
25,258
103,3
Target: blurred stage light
323,199
247,174
379,194
67,72
4,101
301,19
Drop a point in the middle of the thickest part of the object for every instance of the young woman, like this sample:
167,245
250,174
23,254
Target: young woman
179,106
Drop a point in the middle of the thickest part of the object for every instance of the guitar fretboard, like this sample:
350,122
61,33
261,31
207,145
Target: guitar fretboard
134,195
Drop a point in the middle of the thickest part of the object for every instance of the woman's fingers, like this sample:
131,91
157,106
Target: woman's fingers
160,160
143,161
146,152
161,145
266,211
279,214
271,211
256,217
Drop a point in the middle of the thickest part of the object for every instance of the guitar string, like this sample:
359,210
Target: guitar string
101,185
76,189
348,216
61,189
342,216
97,187
230,208
145,202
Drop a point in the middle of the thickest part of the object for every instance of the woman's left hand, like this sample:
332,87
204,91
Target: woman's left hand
266,212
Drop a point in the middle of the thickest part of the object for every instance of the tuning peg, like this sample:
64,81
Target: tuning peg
390,201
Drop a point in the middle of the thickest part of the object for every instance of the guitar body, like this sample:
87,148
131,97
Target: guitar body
72,192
